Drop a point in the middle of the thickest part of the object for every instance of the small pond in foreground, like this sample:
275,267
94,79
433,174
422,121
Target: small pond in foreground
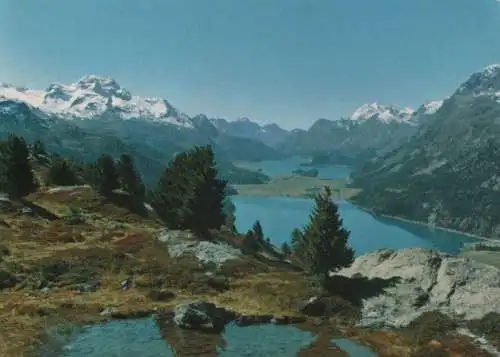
141,338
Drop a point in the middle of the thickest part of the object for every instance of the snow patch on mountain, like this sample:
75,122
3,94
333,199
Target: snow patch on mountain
432,107
29,96
383,113
93,96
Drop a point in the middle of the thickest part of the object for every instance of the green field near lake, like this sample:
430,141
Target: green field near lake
296,186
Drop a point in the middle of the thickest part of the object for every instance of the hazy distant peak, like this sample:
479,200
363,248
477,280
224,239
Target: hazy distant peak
243,120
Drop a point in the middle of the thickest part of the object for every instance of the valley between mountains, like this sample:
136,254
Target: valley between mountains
73,255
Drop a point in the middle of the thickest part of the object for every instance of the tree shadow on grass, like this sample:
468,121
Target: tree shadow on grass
358,288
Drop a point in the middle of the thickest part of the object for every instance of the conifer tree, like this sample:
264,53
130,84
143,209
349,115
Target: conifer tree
297,241
169,196
17,176
205,206
90,174
249,243
229,211
39,149
258,232
285,248
62,173
130,179
322,245
189,195
107,175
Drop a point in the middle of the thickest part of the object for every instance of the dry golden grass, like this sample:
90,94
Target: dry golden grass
273,293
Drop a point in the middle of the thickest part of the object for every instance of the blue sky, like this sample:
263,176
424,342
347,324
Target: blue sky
284,61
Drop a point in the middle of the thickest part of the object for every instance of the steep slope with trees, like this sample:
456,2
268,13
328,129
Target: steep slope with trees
447,174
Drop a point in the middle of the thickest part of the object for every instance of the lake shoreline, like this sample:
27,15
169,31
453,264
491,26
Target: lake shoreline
295,186
421,223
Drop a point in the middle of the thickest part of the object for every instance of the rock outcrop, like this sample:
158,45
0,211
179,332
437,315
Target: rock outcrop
424,280
199,315
208,253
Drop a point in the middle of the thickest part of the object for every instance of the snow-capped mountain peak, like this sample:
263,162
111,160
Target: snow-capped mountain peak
104,86
383,113
483,83
492,69
92,96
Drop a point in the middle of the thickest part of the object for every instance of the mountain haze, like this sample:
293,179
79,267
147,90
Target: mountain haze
372,129
270,134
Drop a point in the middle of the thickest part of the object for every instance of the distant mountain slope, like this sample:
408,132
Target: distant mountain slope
271,134
448,173
372,129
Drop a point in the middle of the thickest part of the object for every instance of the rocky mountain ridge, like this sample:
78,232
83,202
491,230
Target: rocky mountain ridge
95,115
95,97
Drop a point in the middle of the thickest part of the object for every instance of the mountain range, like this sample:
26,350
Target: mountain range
437,164
372,130
270,134
447,173
96,115
154,130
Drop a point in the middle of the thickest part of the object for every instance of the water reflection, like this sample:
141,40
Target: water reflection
132,338
264,340
125,338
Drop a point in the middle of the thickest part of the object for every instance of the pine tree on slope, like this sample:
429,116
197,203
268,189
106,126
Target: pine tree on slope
322,245
17,176
130,179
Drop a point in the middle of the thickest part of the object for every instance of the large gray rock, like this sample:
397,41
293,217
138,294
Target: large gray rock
181,242
201,315
428,281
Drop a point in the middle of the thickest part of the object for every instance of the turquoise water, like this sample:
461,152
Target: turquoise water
141,338
280,215
126,338
287,166
264,341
